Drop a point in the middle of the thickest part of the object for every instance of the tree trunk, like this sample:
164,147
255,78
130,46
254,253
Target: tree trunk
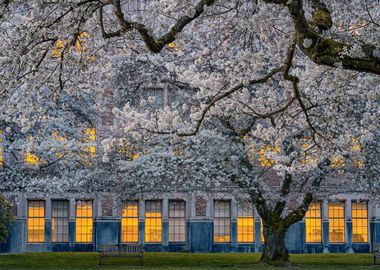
275,251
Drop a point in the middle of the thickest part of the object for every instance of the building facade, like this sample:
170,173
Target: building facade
180,222
184,223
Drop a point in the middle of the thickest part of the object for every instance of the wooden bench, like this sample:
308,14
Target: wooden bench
121,250
376,253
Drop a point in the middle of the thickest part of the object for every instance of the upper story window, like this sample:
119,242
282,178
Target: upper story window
30,157
266,150
359,222
313,223
60,221
89,138
245,225
87,145
1,148
153,221
155,98
336,222
222,221
130,223
84,221
177,221
36,221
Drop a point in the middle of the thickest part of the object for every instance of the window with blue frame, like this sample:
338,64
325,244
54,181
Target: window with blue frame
177,221
222,222
336,223
60,221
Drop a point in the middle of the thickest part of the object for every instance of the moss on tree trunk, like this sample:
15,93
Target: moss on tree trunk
275,251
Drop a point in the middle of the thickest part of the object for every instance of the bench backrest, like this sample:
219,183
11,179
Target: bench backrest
376,249
121,248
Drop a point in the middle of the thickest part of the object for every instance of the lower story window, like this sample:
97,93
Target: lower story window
177,221
336,223
153,221
60,221
359,222
84,222
313,223
130,223
245,225
36,221
222,222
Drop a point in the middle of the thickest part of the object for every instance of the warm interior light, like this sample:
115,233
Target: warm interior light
36,221
313,223
83,222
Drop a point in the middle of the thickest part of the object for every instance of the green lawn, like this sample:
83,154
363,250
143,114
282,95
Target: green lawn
182,261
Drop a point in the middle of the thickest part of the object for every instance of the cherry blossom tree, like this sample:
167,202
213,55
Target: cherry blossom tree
5,219
293,84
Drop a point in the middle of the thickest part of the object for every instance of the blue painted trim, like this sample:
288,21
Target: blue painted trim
325,237
141,231
258,247
165,235
349,248
71,235
48,235
234,233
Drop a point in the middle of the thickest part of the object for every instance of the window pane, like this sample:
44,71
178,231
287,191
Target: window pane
313,223
177,221
89,145
359,222
84,222
336,223
246,225
36,221
153,222
130,223
60,221
222,222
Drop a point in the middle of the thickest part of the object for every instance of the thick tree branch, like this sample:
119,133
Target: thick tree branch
155,45
324,51
211,103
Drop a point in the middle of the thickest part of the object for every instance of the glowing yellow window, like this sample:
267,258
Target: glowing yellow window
356,148
337,161
130,223
262,231
1,149
153,221
62,142
36,221
222,222
359,222
83,222
336,223
313,223
245,226
89,150
264,151
29,157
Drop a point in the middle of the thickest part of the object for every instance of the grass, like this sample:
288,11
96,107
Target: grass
182,261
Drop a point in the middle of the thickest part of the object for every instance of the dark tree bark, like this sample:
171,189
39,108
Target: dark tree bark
275,251
5,218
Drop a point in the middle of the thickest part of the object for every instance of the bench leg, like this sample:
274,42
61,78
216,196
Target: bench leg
100,261
142,261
